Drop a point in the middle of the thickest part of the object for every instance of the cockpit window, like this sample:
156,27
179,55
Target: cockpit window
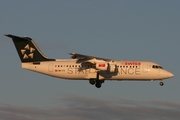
160,67
156,67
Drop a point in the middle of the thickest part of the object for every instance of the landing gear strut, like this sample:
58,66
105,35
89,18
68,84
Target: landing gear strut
98,83
161,83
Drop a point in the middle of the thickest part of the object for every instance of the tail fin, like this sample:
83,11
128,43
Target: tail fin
28,50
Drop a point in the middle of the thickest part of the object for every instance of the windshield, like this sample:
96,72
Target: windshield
157,66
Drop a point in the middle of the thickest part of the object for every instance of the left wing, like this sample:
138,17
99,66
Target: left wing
85,58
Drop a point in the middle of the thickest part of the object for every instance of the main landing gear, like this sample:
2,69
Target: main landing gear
96,81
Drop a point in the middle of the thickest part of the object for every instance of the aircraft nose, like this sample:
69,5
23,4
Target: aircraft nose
166,74
169,75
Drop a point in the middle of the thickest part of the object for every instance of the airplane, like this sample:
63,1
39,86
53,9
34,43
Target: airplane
83,67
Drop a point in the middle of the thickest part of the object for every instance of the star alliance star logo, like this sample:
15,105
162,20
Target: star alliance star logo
27,52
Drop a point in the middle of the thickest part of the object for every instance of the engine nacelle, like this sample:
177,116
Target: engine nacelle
102,66
112,67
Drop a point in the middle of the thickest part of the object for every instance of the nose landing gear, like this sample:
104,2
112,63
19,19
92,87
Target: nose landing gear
161,83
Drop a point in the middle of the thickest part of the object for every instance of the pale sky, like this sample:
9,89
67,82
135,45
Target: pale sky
121,30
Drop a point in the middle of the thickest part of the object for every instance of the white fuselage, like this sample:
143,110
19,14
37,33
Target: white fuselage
85,67
125,70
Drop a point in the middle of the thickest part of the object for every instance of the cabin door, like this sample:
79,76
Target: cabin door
50,67
145,68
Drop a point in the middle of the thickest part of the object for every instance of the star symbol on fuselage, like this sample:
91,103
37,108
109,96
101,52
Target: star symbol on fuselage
27,52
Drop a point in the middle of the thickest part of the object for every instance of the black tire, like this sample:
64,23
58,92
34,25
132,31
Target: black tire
92,82
98,84
161,83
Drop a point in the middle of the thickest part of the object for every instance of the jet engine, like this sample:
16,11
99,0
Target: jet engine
112,67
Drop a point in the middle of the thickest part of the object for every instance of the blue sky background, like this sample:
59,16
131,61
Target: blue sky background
121,30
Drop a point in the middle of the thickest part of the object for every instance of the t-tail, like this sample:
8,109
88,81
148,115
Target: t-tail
27,49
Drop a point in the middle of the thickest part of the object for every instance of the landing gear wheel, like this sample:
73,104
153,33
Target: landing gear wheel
161,83
92,82
98,84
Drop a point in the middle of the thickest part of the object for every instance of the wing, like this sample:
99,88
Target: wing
83,58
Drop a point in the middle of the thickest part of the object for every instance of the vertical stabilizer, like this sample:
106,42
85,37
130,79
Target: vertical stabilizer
28,51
